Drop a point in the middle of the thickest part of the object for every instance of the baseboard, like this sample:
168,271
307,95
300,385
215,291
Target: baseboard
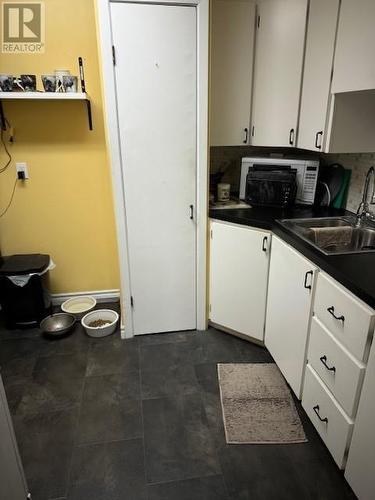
236,334
99,295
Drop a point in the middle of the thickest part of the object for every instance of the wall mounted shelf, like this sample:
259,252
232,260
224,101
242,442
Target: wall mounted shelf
45,96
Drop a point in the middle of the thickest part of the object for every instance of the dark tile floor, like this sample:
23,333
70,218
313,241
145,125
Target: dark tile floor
141,419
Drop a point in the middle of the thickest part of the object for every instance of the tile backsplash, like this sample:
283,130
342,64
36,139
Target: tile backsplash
359,165
227,159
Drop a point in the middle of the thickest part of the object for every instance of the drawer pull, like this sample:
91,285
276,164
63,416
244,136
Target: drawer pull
316,409
291,136
246,130
331,311
265,243
306,276
323,359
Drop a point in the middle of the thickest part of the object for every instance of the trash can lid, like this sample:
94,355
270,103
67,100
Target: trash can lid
12,265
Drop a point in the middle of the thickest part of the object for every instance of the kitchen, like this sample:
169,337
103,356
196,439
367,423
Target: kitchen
285,89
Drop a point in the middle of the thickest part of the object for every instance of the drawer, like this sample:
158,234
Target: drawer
329,419
345,316
337,368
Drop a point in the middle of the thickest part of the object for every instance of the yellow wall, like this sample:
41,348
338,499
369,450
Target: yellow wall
65,209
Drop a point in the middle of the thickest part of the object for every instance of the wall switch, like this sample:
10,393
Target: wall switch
22,170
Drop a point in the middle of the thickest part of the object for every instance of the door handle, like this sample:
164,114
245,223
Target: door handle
192,212
331,311
246,130
323,359
316,410
317,144
291,136
305,282
264,244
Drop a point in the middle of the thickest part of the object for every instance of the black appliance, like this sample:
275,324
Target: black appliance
271,186
26,303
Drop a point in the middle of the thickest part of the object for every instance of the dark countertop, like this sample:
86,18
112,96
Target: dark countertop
356,272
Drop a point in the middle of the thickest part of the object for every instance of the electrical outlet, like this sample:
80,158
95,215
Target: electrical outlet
22,170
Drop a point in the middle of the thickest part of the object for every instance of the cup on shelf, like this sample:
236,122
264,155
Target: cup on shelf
49,83
70,83
6,83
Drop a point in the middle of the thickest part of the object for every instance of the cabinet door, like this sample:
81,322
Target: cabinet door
354,67
12,480
320,43
278,70
232,44
239,261
290,291
360,466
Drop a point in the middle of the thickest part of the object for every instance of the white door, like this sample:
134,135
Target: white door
360,466
354,67
320,44
156,83
232,48
239,261
12,480
278,71
290,291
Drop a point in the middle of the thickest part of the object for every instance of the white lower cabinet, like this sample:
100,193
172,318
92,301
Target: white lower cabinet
12,480
341,332
239,262
347,318
318,333
337,368
331,422
360,470
290,293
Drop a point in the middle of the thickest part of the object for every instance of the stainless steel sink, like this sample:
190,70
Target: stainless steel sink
334,235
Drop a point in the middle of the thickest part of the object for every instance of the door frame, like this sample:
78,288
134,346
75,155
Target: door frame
103,19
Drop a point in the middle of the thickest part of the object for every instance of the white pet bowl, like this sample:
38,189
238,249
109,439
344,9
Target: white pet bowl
100,331
79,306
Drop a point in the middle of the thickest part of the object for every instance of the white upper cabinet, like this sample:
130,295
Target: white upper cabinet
239,262
354,67
232,47
320,43
278,71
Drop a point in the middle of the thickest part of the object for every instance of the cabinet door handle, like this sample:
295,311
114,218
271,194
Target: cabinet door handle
323,359
318,144
192,212
246,130
291,136
306,276
264,244
331,311
316,410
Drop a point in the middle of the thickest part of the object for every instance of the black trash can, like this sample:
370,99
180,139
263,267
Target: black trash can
24,296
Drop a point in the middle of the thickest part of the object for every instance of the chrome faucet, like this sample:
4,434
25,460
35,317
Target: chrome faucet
363,211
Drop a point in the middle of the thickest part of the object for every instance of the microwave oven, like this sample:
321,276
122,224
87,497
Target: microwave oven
306,175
